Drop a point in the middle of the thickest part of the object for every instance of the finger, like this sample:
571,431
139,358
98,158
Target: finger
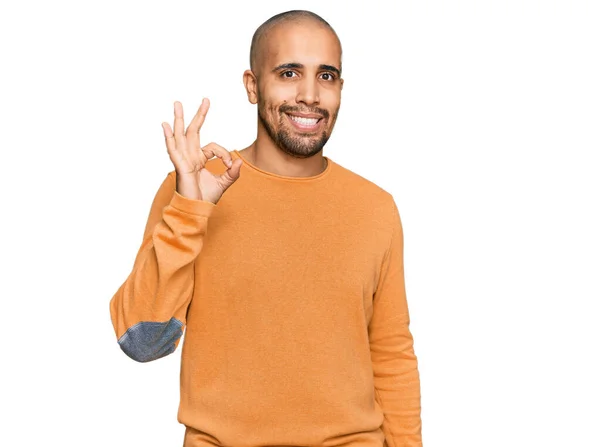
198,120
178,125
231,175
170,143
192,133
169,139
213,149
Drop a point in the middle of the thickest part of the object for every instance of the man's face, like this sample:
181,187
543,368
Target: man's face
299,87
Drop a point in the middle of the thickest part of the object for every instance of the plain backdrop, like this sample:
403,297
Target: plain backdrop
481,118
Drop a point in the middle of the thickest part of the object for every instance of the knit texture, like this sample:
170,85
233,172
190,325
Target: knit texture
290,293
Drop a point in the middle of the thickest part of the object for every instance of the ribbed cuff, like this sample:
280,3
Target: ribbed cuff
198,207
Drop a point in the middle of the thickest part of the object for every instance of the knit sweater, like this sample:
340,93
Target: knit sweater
291,292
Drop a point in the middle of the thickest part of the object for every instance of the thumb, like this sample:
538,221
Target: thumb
232,174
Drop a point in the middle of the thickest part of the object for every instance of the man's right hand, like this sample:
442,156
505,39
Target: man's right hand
194,181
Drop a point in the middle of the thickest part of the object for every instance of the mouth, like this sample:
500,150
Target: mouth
305,123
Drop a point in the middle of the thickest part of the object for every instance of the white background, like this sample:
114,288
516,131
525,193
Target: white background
481,118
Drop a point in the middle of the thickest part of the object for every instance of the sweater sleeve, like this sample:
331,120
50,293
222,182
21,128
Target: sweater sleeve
148,311
395,369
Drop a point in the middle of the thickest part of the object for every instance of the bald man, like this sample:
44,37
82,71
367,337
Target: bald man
284,268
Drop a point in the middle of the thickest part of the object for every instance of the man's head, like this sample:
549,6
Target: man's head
295,70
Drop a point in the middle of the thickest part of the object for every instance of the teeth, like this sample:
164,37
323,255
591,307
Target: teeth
304,121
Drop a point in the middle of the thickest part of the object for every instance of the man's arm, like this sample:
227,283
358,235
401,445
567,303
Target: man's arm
148,312
396,376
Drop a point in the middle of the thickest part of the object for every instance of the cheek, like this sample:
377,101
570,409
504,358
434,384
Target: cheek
269,108
332,100
332,105
281,94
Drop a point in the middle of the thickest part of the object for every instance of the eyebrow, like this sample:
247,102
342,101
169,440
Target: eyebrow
297,65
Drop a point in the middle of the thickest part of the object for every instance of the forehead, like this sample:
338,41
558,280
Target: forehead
306,43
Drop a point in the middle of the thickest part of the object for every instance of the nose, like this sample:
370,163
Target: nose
308,91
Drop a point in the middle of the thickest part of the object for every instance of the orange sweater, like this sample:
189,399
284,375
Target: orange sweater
291,291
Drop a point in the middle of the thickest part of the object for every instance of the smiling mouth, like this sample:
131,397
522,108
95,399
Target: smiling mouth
304,123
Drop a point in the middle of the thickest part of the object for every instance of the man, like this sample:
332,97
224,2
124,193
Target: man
285,268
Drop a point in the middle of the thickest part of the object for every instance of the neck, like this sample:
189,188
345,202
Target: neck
266,155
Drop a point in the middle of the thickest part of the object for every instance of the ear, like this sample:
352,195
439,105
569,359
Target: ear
251,84
341,83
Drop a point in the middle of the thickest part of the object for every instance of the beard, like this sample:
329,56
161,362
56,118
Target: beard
300,145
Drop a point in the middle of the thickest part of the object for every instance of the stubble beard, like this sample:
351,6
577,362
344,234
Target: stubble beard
289,142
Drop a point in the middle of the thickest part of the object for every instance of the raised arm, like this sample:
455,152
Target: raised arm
395,368
148,311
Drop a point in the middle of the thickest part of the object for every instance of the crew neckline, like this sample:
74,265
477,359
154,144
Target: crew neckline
285,177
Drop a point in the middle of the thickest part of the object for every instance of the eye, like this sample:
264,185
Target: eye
285,73
330,76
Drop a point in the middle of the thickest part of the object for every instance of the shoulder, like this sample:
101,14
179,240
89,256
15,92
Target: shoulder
361,190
